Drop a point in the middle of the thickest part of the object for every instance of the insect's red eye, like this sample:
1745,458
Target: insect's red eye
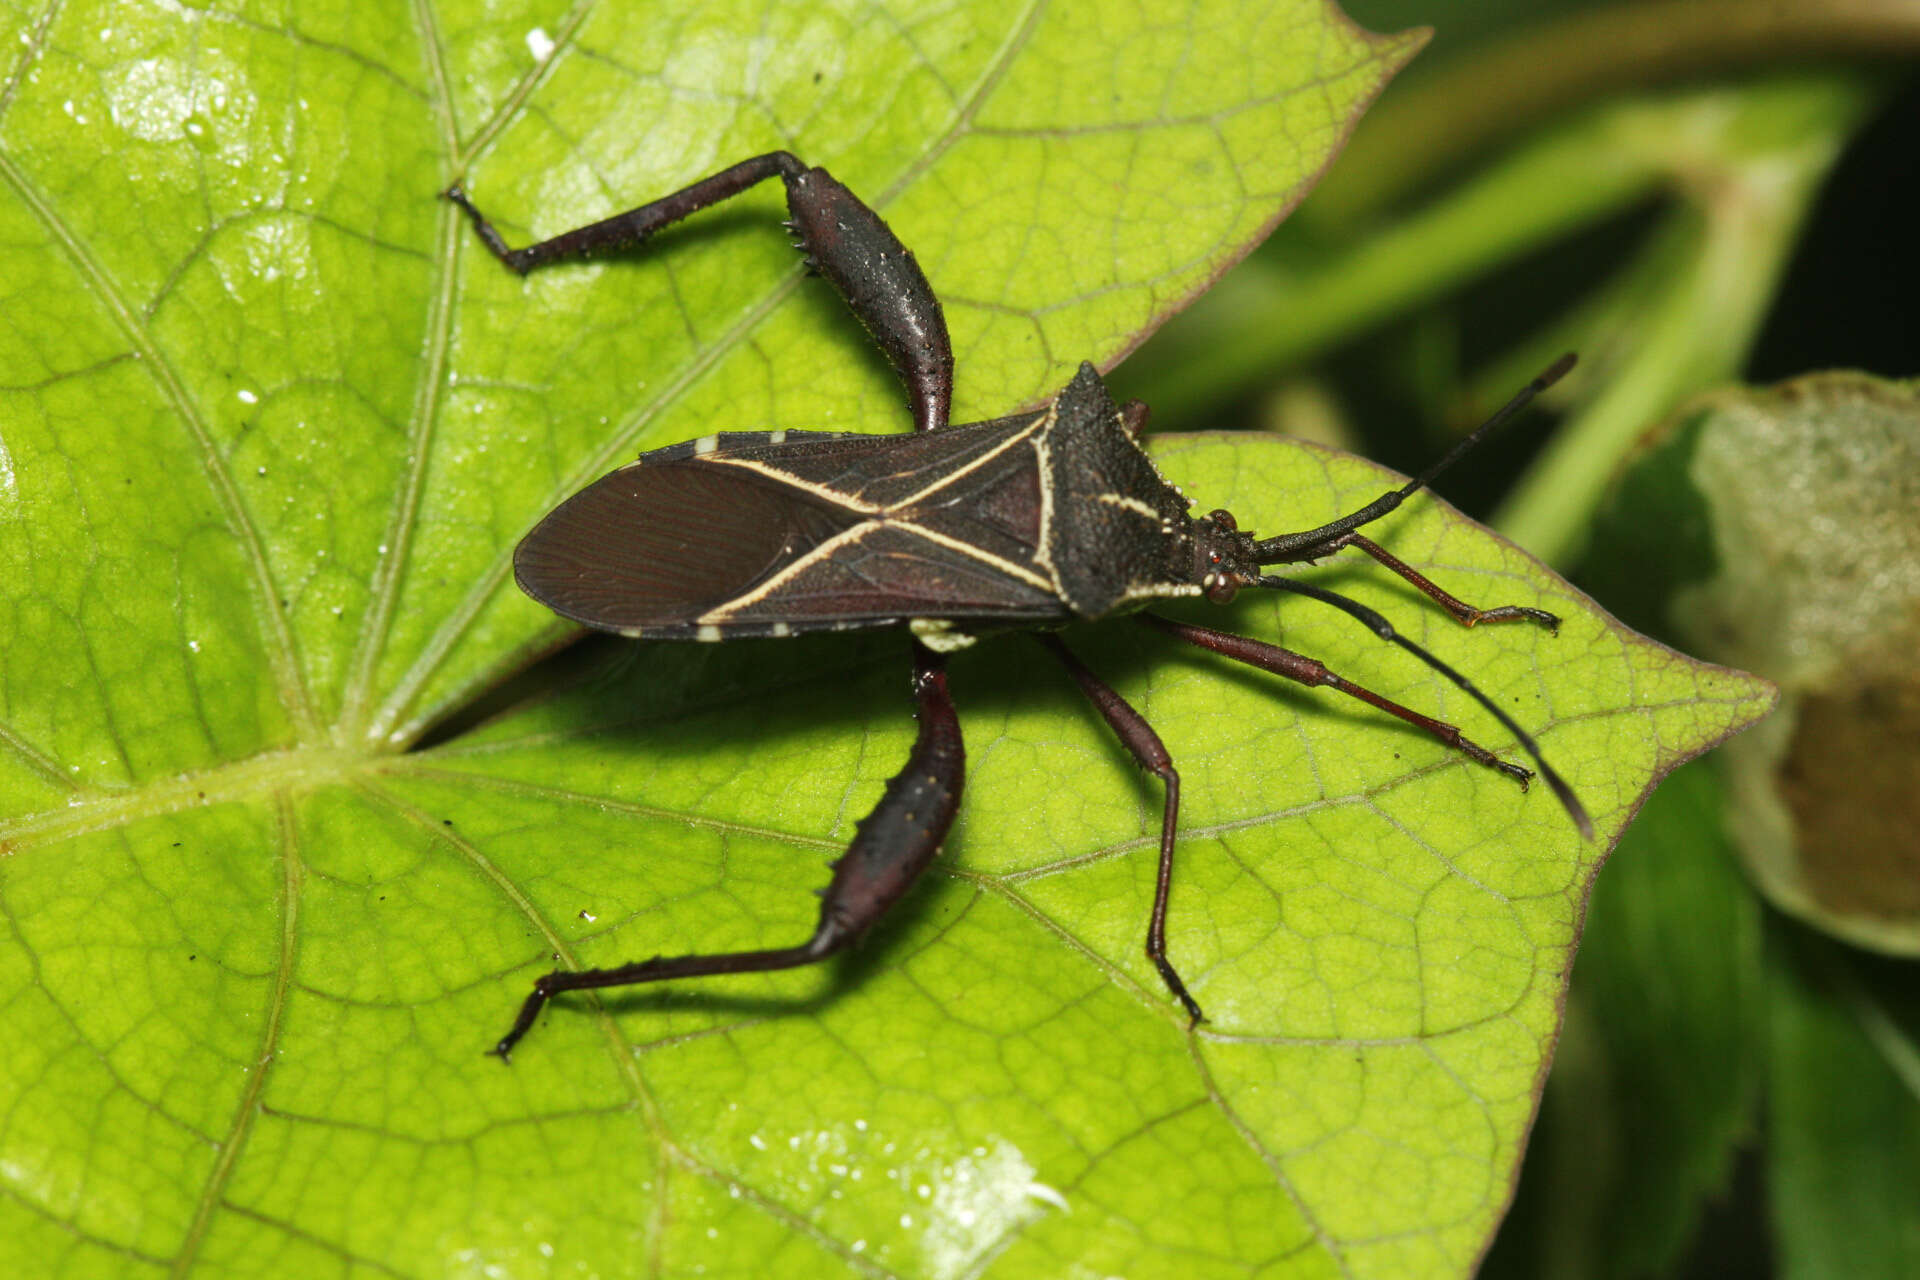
1223,518
1222,590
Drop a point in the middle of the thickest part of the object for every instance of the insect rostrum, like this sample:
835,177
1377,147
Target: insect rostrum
1030,521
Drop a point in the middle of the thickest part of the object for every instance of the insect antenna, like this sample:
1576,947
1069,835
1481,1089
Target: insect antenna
1384,629
1299,546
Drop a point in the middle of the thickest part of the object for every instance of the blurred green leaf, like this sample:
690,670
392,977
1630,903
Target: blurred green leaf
269,430
1659,1065
1845,1114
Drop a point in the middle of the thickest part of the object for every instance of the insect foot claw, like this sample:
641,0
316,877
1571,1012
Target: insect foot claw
1515,613
1171,977
1514,771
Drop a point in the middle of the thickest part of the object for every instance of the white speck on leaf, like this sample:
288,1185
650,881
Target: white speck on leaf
1051,1195
978,1200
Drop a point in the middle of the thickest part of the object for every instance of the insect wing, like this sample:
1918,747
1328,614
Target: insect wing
650,549
776,533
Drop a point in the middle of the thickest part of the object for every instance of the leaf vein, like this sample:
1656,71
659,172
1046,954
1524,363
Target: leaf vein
282,651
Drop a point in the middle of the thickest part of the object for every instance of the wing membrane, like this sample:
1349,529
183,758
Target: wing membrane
653,547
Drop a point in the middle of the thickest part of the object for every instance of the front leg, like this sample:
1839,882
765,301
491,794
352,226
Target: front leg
843,238
1462,612
891,847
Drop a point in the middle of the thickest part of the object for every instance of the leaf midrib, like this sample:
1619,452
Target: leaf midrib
300,770
277,633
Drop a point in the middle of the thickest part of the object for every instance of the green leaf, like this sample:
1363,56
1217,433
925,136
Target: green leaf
1844,1112
268,432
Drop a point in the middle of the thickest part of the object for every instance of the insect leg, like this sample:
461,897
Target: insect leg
625,230
843,238
1462,612
1384,629
891,847
1139,738
1310,672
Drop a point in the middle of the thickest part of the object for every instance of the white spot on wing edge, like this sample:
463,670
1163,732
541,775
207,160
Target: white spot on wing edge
708,633
705,445
939,634
781,630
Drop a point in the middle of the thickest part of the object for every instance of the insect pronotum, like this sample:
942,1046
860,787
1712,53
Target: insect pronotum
1032,521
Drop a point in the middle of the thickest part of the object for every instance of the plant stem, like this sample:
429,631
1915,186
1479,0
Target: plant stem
1429,127
1747,201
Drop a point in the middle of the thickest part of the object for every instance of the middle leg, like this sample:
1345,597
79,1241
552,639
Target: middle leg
1462,612
1315,674
1139,738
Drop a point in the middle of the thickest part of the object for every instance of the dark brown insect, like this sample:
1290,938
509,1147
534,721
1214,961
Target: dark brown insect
1031,521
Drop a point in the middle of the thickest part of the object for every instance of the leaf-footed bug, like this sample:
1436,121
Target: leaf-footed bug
1031,521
